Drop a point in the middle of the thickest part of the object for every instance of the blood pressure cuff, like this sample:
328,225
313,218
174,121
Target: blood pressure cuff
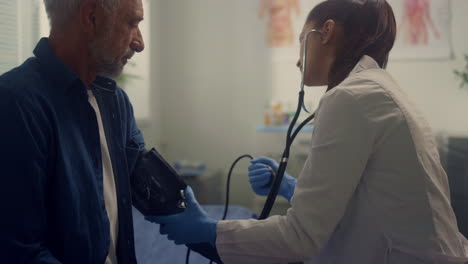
157,189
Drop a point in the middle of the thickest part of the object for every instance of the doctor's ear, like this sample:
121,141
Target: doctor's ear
328,31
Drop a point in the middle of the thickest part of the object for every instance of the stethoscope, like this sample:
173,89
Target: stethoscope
291,135
277,176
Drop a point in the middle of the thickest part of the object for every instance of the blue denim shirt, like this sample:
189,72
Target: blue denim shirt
51,178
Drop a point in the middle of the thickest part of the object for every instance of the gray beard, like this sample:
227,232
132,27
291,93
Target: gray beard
105,66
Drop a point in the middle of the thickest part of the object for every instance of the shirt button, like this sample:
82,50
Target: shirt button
103,206
98,163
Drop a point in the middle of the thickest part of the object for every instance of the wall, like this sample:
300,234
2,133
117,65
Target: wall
432,84
214,78
150,113
138,88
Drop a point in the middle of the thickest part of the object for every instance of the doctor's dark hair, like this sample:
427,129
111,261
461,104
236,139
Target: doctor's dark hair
369,28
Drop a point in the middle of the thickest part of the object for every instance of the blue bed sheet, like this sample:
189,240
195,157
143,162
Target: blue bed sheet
151,247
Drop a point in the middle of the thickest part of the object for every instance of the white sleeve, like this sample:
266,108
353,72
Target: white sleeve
341,145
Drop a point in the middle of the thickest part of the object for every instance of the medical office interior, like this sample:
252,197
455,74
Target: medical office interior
218,79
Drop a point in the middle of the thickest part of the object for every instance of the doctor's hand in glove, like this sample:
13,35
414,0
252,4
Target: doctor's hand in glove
260,177
192,226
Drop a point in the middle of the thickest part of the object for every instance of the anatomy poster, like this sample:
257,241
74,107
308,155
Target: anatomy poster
423,28
283,20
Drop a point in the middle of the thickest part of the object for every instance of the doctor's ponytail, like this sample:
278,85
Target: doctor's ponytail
369,28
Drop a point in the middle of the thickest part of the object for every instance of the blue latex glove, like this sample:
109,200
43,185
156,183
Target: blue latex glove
192,226
260,176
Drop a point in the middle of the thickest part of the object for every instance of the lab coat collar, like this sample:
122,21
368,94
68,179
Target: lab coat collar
365,63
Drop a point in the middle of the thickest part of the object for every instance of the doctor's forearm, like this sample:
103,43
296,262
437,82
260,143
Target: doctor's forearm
273,240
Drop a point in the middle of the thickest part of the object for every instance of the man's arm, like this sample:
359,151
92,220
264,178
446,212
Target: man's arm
24,150
138,142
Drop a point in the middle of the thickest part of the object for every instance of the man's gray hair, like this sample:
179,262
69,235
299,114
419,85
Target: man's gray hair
59,11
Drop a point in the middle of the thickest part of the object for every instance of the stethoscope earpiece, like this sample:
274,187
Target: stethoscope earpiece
304,60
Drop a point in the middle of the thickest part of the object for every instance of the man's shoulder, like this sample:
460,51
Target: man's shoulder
22,80
24,87
122,96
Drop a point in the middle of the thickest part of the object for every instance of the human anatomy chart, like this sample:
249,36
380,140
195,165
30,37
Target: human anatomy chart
279,14
423,28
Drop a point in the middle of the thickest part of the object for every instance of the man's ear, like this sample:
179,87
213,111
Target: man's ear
328,29
88,9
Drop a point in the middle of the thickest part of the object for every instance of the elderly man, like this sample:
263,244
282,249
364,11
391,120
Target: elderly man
69,140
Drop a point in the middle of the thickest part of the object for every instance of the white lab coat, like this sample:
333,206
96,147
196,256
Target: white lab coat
372,190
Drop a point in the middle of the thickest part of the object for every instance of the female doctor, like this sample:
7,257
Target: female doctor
372,190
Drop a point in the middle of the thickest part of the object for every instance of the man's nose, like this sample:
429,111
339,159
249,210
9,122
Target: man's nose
137,44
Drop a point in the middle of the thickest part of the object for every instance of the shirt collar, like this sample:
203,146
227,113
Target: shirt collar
365,63
104,85
55,69
62,76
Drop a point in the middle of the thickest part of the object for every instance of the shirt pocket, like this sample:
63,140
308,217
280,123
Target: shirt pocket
132,150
